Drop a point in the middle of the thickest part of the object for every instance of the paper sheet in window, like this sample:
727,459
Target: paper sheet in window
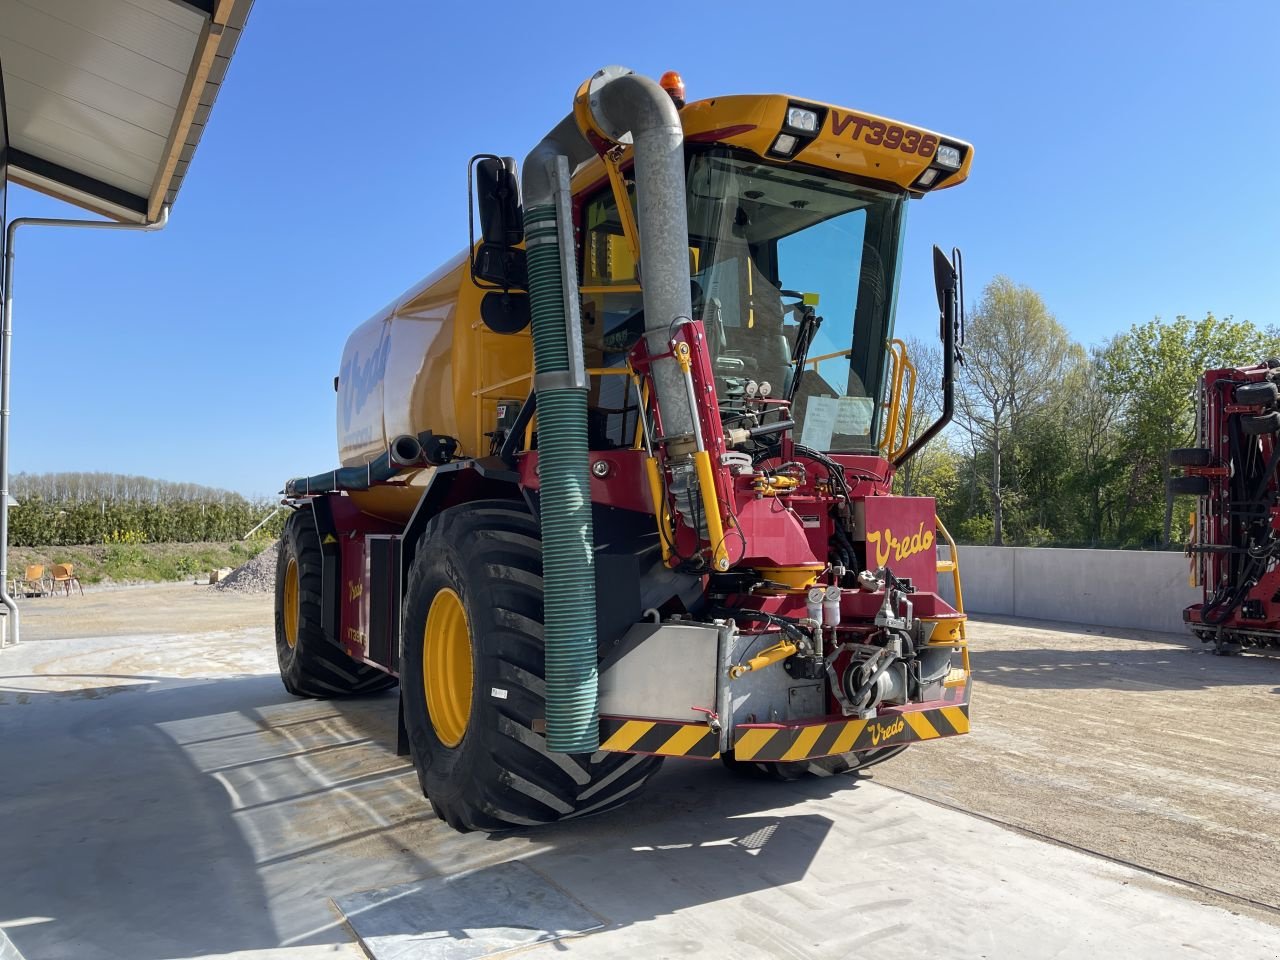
853,417
820,415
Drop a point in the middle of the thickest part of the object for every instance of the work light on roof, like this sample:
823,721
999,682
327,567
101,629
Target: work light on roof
947,156
798,118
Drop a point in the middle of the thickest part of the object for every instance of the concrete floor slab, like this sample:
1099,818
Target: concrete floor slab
465,917
181,812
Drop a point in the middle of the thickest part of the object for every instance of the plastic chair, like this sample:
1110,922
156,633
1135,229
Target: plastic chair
64,575
34,582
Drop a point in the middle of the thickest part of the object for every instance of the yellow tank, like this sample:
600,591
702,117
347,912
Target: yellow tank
426,362
414,366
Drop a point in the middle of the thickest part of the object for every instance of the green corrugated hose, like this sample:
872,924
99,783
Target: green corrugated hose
568,568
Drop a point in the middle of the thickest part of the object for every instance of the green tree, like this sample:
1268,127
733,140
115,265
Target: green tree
1152,371
1015,358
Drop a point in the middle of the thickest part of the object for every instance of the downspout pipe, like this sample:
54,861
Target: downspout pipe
6,342
613,106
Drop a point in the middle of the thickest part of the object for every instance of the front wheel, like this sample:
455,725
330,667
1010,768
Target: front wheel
472,681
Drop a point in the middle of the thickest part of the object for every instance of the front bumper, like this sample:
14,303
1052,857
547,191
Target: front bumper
786,742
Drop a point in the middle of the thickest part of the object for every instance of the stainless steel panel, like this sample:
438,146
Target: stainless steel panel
669,669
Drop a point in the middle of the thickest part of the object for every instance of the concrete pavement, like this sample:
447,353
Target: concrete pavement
163,798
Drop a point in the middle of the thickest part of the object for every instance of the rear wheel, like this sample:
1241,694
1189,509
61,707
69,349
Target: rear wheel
311,665
472,681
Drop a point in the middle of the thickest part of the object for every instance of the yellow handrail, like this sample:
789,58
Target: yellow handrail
591,372
908,409
500,384
890,405
814,361
951,566
895,434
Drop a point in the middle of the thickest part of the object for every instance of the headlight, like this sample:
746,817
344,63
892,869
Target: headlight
784,144
947,156
798,118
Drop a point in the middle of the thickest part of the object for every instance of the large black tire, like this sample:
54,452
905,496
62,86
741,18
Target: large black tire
821,767
1189,457
1190,486
1263,423
1263,392
313,665
498,775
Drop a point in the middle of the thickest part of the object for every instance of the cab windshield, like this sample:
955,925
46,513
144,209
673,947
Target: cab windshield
781,256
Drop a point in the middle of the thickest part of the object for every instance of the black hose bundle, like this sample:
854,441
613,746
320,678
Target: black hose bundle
404,451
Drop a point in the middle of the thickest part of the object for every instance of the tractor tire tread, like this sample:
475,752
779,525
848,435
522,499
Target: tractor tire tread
316,666
500,776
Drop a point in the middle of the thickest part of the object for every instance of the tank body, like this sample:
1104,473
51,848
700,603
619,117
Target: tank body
427,362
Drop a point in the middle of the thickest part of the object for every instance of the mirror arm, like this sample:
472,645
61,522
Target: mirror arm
949,312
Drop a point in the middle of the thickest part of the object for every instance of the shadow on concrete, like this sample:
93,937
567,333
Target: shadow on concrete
192,817
116,841
651,860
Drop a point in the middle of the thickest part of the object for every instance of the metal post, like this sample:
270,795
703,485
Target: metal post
259,525
6,340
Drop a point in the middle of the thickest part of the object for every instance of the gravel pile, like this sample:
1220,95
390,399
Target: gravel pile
254,576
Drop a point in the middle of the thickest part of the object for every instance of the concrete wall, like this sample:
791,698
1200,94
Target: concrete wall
1111,588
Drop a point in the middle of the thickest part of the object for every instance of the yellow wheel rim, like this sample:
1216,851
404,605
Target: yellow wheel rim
291,602
446,667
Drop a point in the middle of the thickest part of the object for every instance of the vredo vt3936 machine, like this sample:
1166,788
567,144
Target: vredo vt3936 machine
616,482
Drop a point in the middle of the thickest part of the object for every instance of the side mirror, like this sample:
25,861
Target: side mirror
948,282
497,192
944,277
493,187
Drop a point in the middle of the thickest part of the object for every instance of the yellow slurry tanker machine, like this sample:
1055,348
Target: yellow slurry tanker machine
616,482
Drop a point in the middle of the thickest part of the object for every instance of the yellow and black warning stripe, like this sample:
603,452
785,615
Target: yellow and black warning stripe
662,738
765,742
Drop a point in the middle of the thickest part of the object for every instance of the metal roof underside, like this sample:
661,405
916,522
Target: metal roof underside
107,99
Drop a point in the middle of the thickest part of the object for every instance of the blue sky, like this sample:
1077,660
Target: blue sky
1123,168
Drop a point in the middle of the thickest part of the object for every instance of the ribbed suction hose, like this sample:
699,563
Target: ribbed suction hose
568,564
619,102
